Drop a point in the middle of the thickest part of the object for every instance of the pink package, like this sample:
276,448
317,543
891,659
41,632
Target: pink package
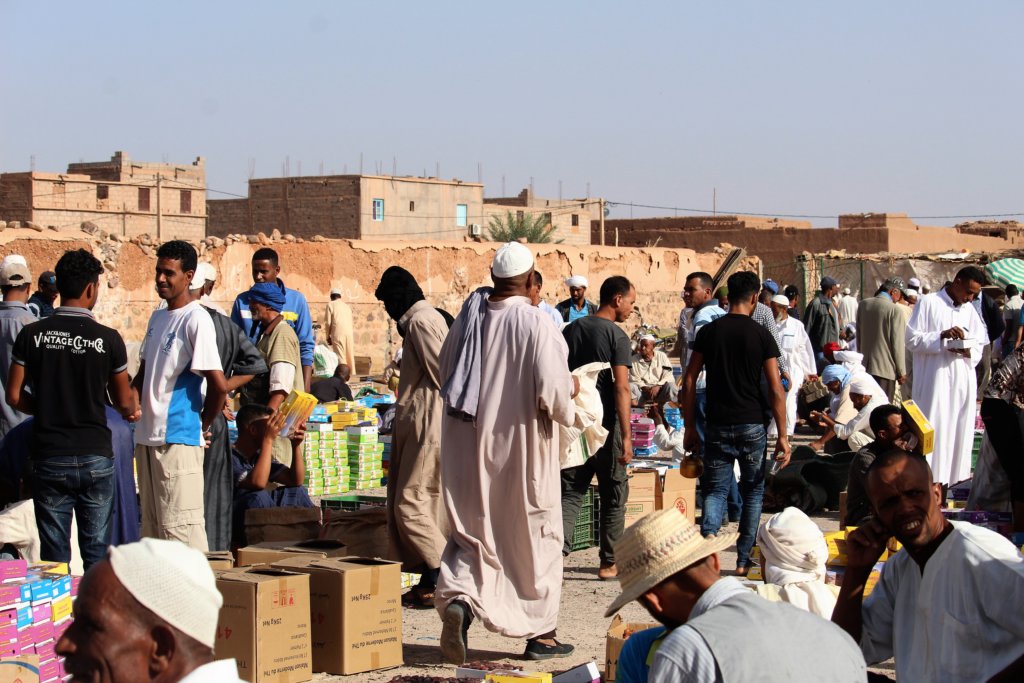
41,613
46,650
50,671
13,569
42,632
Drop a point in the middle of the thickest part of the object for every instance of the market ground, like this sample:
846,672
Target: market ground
581,622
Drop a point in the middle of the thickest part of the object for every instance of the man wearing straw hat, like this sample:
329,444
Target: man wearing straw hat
718,629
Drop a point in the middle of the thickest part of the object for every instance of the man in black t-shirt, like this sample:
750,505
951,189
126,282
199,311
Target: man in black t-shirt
70,361
736,352
596,338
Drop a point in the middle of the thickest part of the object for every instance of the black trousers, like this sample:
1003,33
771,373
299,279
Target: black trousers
612,488
1002,423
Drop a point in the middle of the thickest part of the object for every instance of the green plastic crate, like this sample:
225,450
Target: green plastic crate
586,532
350,502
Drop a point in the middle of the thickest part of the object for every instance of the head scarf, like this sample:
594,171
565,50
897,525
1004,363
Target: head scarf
835,372
270,294
398,291
863,385
795,552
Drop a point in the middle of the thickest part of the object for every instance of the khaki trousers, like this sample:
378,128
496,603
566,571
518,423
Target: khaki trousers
171,493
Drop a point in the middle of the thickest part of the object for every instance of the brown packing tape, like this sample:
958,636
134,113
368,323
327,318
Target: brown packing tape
374,580
375,659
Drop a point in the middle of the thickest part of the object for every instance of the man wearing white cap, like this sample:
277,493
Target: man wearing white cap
576,306
796,347
865,395
650,376
717,627
847,306
205,280
15,283
340,334
147,613
505,382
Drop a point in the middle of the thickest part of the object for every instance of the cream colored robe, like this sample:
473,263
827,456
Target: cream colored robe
500,475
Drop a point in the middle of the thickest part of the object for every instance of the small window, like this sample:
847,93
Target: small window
186,201
575,220
412,206
519,215
461,215
378,209
143,199
102,191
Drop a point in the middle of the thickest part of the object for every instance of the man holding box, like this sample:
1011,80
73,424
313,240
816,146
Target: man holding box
182,390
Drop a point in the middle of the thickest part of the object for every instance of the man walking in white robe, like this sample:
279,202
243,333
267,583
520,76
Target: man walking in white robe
796,347
506,382
945,385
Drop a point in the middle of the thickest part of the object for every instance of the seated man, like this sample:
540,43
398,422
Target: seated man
333,388
793,555
948,604
855,433
255,468
887,424
717,626
650,377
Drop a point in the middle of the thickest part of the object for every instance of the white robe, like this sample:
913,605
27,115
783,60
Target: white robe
500,475
945,384
796,347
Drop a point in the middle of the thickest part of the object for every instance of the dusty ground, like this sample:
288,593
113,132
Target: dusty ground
581,623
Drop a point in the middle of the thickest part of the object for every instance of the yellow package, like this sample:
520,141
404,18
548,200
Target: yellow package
919,427
296,408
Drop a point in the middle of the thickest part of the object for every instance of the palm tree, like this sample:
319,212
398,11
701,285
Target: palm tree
534,228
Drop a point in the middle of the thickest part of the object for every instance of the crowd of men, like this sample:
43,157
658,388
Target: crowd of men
478,499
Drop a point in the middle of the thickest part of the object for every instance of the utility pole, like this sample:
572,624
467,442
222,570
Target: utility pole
159,217
714,201
602,220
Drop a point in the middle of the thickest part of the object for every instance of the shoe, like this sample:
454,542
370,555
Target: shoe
454,633
742,571
607,572
710,537
537,651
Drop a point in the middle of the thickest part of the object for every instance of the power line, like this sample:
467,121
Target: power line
763,214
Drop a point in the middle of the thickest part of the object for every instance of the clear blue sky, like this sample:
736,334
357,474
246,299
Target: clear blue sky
785,107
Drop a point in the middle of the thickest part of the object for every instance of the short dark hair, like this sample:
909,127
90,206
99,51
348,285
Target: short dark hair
1011,290
614,286
266,254
972,274
76,270
706,281
894,455
879,418
178,250
248,414
791,291
537,277
742,285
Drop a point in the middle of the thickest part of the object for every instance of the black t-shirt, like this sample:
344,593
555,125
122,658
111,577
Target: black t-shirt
330,390
735,349
69,359
596,340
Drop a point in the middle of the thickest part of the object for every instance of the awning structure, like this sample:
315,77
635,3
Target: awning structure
1006,271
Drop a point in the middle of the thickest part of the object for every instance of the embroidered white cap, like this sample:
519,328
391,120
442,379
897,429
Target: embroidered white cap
173,581
512,259
577,281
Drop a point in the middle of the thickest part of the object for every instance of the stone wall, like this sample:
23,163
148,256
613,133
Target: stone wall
447,272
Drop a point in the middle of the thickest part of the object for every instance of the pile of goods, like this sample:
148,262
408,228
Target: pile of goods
35,610
642,434
341,449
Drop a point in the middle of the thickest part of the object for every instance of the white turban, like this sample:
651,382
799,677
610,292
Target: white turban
795,553
648,337
577,281
863,385
512,259
915,283
173,581
205,272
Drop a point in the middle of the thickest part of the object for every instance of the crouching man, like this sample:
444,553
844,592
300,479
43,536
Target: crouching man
261,481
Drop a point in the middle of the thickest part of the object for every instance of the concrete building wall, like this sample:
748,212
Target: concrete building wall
571,218
446,272
419,208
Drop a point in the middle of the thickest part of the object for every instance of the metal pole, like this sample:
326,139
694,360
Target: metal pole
159,217
601,219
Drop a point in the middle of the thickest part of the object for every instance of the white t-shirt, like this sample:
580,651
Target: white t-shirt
178,347
960,621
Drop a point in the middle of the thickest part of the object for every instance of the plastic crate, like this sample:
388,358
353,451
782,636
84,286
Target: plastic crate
352,502
585,534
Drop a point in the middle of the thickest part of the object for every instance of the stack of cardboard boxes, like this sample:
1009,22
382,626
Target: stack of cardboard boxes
328,449
35,610
659,488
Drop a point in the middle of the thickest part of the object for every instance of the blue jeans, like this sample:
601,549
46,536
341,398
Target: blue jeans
80,483
725,445
701,418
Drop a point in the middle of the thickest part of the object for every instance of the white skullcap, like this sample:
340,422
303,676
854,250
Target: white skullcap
914,282
512,259
648,337
912,292
173,581
846,290
577,281
205,272
780,300
863,385
14,258
335,291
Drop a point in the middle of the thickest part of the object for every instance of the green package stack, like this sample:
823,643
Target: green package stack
326,457
365,457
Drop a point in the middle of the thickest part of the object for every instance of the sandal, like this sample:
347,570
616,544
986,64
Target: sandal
419,598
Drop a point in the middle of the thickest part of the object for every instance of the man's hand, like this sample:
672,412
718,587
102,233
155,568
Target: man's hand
207,438
865,545
655,414
691,440
627,451
298,434
134,417
816,445
229,415
782,451
901,379
274,425
953,333
811,378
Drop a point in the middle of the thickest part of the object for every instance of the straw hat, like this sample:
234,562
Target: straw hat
656,547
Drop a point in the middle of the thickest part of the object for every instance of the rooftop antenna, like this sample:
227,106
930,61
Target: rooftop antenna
298,167
588,189
437,170
714,201
360,163
344,168
559,191
32,163
531,186
394,166
252,167
502,184
480,173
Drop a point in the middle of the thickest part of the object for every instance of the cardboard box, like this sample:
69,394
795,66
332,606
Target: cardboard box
23,669
264,624
220,560
679,492
650,491
618,633
356,612
644,484
919,427
584,673
635,509
275,551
